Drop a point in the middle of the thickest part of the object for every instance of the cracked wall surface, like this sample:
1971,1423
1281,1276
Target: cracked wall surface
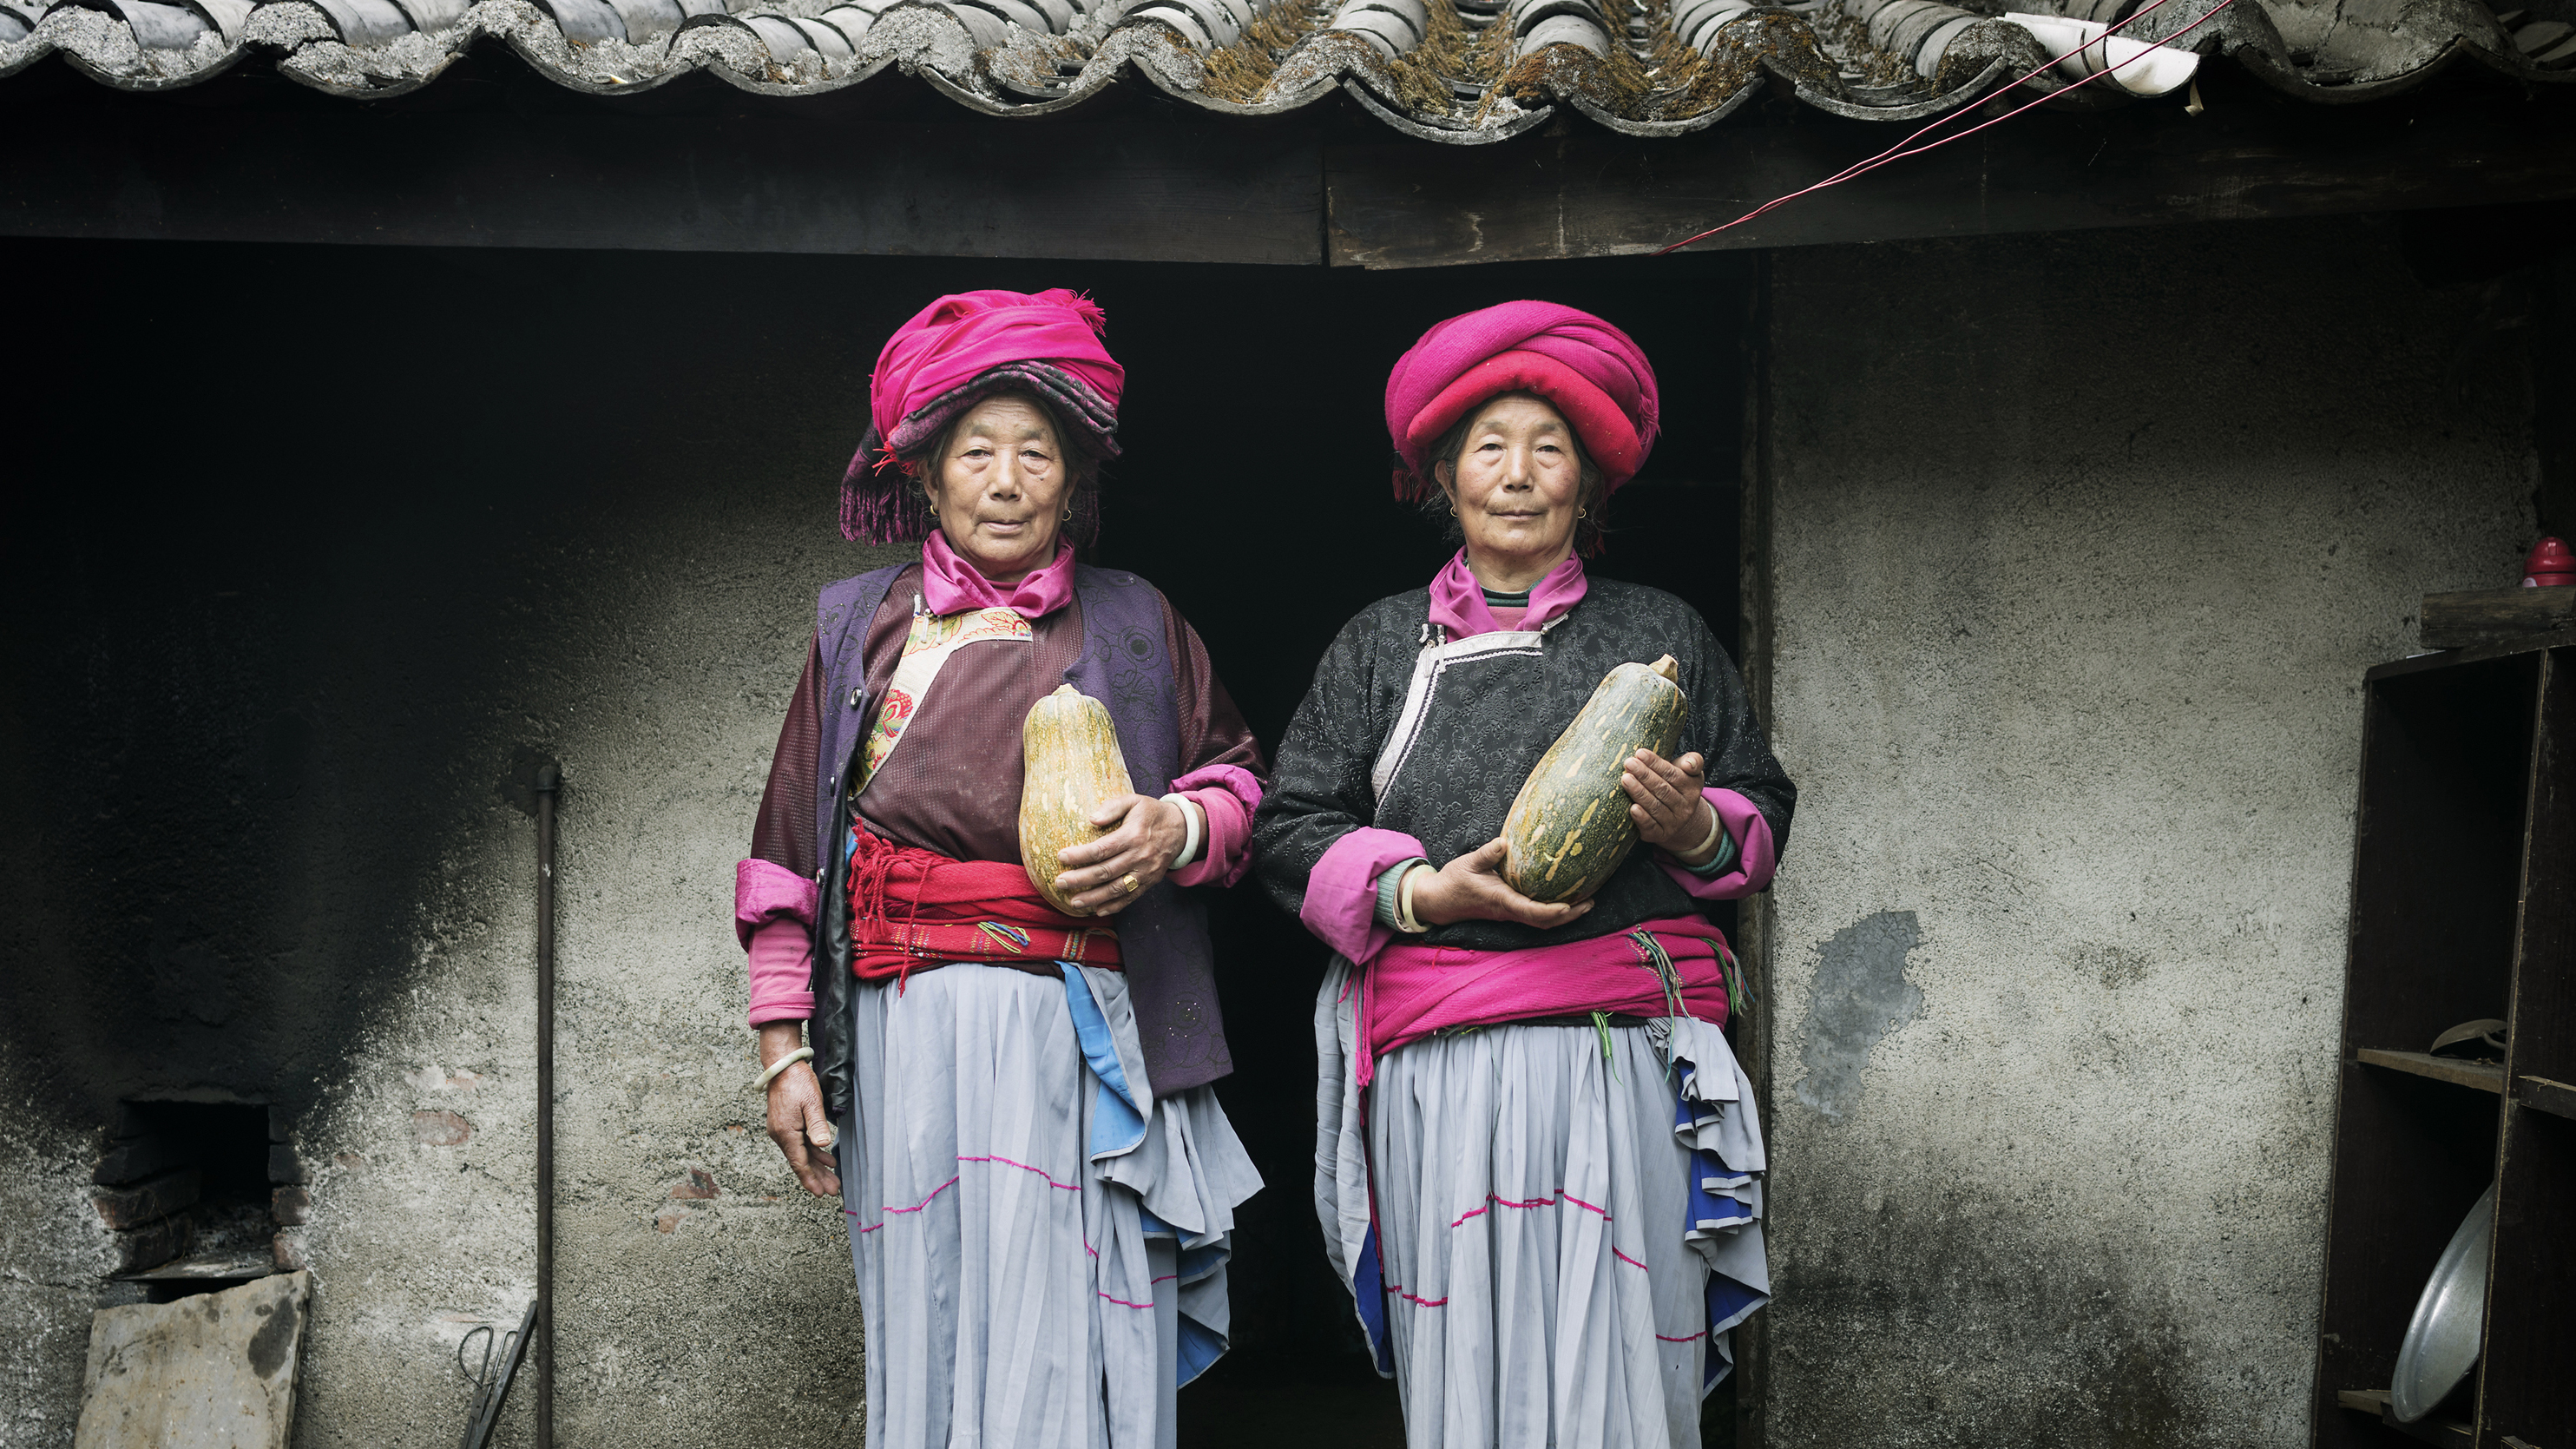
2079,559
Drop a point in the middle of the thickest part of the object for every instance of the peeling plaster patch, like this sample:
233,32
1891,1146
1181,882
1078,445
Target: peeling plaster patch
1860,995
440,1129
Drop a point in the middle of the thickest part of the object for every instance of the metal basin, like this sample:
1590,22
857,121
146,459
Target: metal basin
2441,1344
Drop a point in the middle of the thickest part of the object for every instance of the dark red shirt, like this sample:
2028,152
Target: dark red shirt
953,784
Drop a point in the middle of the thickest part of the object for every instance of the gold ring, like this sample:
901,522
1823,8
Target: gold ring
1131,883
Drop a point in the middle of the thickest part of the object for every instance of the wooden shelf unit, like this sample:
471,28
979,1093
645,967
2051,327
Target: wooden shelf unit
2544,1095
2463,906
2431,1429
2485,1076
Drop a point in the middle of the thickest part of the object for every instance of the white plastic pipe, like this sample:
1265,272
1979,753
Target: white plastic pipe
2079,46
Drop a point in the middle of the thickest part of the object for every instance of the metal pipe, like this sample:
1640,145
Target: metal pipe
549,784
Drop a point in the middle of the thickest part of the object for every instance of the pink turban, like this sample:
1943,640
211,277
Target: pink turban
956,352
1589,369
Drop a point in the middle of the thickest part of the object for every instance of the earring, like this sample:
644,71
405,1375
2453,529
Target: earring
1068,514
1581,514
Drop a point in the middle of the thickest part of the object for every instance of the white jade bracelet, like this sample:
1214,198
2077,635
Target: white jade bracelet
801,1054
1405,920
1189,809
1716,823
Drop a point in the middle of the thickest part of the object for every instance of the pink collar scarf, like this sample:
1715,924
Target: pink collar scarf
1458,601
949,584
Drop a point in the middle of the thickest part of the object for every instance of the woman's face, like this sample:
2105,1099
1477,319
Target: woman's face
1516,486
1001,488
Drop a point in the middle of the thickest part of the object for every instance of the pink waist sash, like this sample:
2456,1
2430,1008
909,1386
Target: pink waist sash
1411,991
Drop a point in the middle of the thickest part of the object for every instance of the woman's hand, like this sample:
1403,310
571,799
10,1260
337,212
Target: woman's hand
1147,834
796,1120
1670,813
1471,888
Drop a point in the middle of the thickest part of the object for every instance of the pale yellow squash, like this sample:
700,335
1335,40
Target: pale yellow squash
1069,749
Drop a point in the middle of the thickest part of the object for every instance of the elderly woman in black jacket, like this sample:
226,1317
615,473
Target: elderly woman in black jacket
1538,1167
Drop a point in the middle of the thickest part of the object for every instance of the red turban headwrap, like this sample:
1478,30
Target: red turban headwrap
956,352
1591,371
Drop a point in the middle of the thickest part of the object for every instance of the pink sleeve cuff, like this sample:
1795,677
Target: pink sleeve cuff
1754,854
1227,795
773,917
1341,891
765,891
782,973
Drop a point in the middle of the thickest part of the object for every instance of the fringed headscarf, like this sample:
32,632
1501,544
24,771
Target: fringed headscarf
958,351
1591,371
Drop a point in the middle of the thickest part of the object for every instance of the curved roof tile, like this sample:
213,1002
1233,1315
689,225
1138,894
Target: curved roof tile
1455,71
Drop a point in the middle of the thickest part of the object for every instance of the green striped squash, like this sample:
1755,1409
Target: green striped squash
1069,749
1568,829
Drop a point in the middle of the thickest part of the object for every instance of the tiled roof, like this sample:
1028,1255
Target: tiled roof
1461,71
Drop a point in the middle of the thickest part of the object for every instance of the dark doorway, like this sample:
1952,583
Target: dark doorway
289,458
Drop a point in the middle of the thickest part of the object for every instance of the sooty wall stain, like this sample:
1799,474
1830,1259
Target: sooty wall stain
2006,1342
1859,996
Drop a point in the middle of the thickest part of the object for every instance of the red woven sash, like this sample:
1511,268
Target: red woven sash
914,910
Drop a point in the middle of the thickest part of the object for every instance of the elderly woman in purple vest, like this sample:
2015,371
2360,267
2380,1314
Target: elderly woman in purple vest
1038,1182
1538,1167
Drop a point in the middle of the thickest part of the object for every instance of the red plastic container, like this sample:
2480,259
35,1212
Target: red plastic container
2551,565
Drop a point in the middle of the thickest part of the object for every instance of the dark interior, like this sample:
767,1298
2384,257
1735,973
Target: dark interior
224,1148
2446,774
284,500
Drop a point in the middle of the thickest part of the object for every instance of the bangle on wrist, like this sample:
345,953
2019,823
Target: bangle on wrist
1716,824
1190,819
1405,920
801,1054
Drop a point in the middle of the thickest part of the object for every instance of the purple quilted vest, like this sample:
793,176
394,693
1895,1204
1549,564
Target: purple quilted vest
1163,937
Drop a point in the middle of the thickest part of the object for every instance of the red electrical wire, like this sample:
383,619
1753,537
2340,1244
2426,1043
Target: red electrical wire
1899,151
1938,122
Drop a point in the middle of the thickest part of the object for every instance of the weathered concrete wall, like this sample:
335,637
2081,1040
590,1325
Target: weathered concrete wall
2081,547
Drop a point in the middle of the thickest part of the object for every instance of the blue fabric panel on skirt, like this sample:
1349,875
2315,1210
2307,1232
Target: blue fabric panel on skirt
1684,1118
1197,1263
1116,1122
1710,1184
1116,1126
1196,1353
1200,1346
1369,1296
1730,1302
1712,1205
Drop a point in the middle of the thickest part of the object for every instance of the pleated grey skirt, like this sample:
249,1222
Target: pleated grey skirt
1561,1239
1040,1262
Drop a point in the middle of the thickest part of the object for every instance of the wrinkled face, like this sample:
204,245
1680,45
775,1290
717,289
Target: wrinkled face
1517,483
1001,487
